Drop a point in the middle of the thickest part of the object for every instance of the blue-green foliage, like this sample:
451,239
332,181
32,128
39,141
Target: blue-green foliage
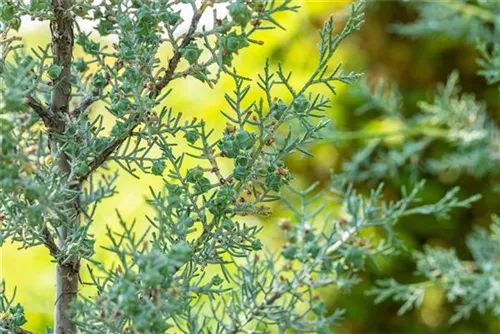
199,267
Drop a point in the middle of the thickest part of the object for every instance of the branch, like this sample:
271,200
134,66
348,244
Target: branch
85,103
258,310
42,111
49,242
50,120
160,85
174,61
99,160
94,95
39,109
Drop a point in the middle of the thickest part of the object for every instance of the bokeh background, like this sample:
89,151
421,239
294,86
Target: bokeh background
416,65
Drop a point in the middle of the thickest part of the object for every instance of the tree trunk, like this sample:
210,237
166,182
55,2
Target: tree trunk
66,290
61,27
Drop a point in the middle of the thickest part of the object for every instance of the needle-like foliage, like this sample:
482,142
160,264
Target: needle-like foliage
200,267
462,122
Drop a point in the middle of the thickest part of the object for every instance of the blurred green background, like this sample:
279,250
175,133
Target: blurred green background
416,65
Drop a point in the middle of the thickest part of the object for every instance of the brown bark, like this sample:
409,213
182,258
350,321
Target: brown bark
61,28
66,291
